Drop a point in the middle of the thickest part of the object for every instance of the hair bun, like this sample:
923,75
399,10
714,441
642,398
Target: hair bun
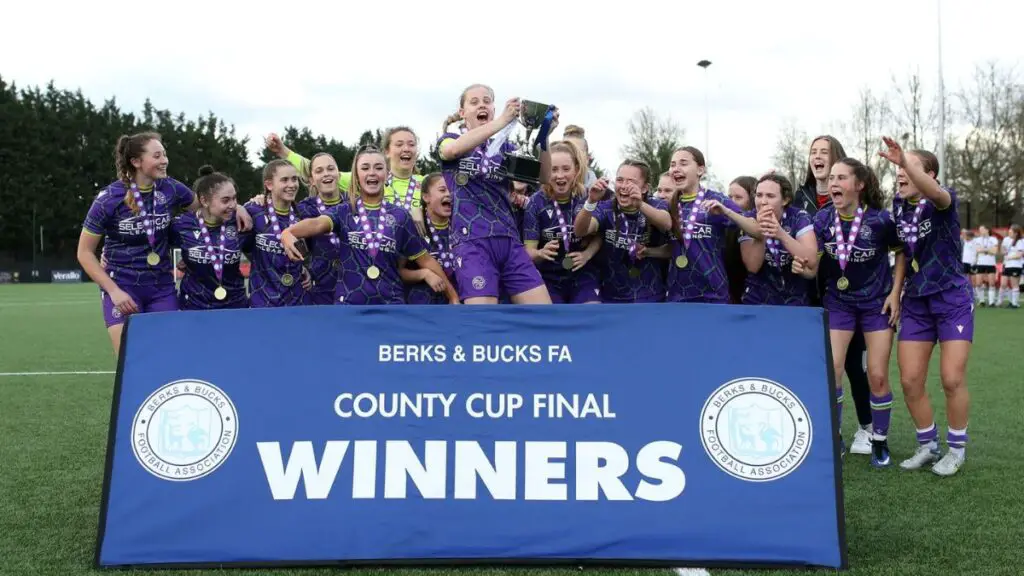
206,170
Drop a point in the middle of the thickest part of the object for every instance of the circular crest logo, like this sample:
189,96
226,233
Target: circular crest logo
755,429
185,430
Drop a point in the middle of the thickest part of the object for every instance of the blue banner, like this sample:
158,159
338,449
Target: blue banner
649,434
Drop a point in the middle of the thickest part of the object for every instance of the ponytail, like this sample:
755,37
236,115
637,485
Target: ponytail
449,120
127,149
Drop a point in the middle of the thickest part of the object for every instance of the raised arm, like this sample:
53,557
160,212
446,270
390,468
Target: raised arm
464,144
927,185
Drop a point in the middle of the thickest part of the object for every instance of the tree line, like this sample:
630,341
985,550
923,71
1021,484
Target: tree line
57,152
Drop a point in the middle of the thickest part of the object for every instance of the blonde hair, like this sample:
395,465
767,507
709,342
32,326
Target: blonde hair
355,189
578,159
453,117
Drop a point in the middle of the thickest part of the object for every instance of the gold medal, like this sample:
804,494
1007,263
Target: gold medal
373,272
681,261
287,279
462,178
843,283
220,293
567,263
634,272
913,264
153,258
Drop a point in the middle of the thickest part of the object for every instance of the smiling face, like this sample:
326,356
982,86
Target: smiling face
563,173
686,171
222,202
371,172
284,184
477,106
153,161
402,150
844,187
438,200
820,159
627,179
324,175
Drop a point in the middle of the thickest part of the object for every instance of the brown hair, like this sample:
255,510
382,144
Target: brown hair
871,195
208,181
785,186
576,154
385,139
354,188
835,154
749,184
673,210
645,173
929,161
127,149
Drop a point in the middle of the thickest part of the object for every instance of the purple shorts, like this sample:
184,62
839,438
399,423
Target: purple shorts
147,298
947,315
843,316
492,266
582,289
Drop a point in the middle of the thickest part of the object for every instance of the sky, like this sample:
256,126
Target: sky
342,67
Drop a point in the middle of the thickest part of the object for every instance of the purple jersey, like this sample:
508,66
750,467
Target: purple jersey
704,278
480,194
200,280
867,269
274,279
938,247
325,251
623,277
775,283
125,241
399,240
541,225
421,292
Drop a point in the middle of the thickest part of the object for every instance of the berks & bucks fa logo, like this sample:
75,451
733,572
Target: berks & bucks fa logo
185,430
755,429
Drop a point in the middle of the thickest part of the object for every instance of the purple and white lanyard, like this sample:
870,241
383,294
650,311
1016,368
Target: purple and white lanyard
322,208
910,229
563,226
147,221
632,241
444,255
407,202
691,221
845,247
372,239
215,255
272,216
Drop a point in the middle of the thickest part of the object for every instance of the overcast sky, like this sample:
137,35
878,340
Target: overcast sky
340,67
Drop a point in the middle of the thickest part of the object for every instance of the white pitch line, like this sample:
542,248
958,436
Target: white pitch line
77,373
692,572
55,303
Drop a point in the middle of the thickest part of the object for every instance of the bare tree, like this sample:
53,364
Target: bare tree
913,119
986,157
653,139
871,118
790,156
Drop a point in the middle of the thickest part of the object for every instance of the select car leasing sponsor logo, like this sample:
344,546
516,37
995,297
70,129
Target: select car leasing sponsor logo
755,429
184,430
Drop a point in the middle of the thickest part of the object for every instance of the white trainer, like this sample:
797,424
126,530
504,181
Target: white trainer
921,458
949,465
861,442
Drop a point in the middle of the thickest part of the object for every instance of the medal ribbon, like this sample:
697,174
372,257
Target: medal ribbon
691,221
407,202
322,208
218,259
633,240
372,239
562,225
444,255
147,220
910,229
845,247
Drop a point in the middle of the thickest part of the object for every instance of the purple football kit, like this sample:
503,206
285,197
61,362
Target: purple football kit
325,253
135,245
937,303
626,276
696,271
775,284
274,279
212,253
546,220
490,259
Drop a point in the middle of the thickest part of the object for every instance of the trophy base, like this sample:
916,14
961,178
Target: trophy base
523,169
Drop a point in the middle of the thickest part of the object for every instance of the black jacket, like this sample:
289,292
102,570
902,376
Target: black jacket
806,199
